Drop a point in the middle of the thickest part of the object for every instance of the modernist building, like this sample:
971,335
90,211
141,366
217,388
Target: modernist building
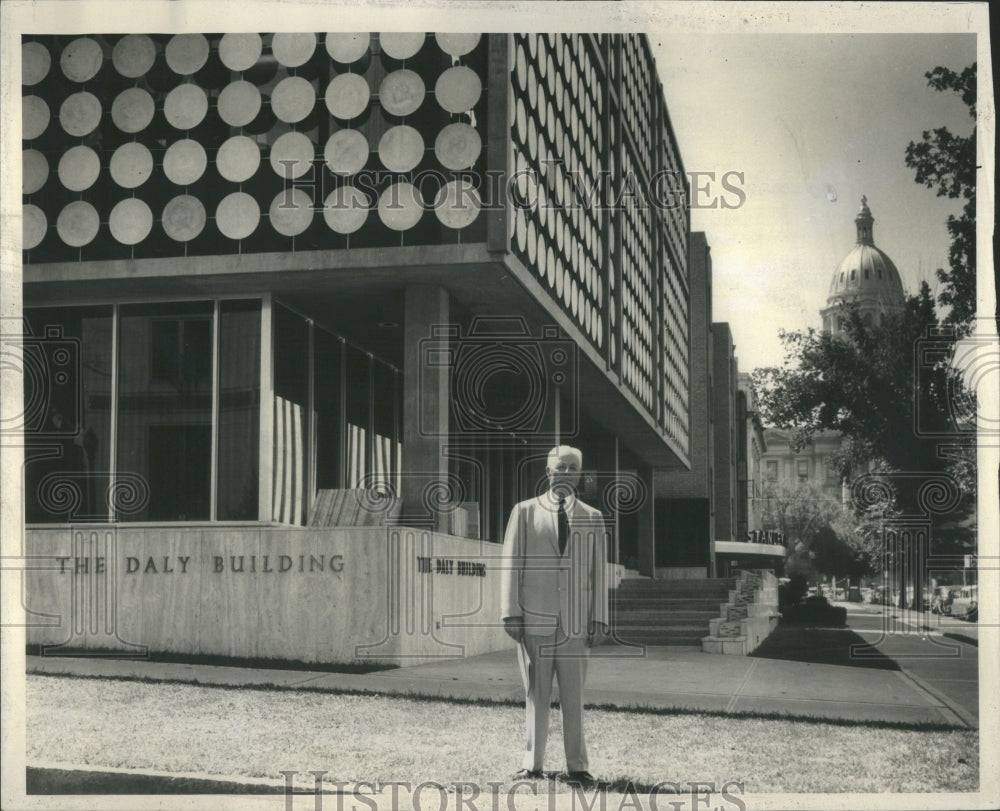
685,503
708,519
304,313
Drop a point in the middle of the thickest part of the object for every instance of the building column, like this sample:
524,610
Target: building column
426,398
646,542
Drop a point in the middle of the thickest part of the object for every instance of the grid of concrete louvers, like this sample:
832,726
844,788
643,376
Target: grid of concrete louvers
583,109
139,146
143,146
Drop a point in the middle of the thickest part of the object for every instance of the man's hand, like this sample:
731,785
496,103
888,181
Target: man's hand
514,628
597,632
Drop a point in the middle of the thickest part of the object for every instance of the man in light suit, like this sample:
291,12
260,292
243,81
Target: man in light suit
555,606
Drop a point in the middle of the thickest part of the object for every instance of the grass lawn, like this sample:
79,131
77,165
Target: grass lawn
260,732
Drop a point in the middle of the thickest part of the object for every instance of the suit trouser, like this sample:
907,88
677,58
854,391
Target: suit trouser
540,657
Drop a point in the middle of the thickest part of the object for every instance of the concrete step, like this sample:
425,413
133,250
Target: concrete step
690,637
637,617
679,587
669,612
653,602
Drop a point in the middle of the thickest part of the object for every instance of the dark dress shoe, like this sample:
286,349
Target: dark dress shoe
528,774
578,778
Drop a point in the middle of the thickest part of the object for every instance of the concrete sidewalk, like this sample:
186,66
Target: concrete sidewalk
652,677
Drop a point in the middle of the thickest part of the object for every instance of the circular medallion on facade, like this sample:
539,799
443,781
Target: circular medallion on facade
521,68
457,204
534,239
550,266
401,44
185,106
457,44
130,221
237,215
132,110
183,218
131,165
400,206
347,96
458,146
401,92
80,114
187,53
36,62
79,168
521,118
293,99
238,159
291,212
133,55
34,171
346,48
34,226
292,155
78,224
521,229
240,52
81,59
346,152
345,210
293,50
458,89
184,162
401,148
239,103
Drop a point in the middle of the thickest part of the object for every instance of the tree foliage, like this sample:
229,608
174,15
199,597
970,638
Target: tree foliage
865,385
947,162
822,536
874,386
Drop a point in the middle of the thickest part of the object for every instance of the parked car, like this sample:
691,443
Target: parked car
941,603
965,605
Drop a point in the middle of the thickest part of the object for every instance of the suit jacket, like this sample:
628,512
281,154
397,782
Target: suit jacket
545,588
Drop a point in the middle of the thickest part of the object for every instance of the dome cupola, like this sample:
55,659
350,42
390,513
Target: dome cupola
866,276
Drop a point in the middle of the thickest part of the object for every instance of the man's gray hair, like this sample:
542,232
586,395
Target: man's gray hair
563,450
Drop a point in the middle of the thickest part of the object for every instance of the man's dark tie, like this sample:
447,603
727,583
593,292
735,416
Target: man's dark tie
563,526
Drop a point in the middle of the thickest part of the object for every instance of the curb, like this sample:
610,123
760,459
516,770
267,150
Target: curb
951,706
959,636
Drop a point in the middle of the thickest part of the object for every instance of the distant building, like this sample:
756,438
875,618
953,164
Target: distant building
685,499
704,516
867,277
751,446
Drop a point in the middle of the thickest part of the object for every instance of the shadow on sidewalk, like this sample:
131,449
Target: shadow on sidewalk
826,646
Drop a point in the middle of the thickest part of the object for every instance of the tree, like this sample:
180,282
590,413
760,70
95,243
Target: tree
947,162
820,534
865,385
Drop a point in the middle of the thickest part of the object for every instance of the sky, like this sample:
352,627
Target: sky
814,122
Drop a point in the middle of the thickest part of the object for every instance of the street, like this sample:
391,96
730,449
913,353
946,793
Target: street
948,667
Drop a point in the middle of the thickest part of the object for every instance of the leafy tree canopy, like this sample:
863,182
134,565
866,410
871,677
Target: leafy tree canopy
947,162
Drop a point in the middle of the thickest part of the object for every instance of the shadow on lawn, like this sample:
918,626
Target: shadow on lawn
826,646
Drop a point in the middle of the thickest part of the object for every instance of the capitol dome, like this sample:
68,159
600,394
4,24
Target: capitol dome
866,276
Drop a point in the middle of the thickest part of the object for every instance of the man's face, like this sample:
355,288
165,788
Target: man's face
564,473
